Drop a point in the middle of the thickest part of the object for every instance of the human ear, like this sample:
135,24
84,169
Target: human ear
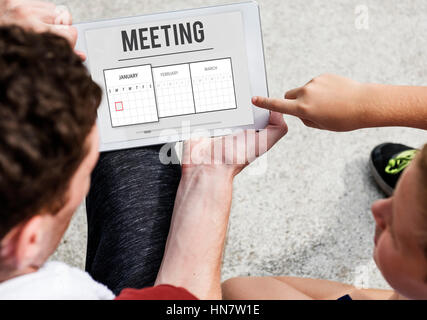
382,210
28,242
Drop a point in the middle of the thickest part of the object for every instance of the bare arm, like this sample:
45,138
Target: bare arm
193,254
335,103
196,239
396,106
293,288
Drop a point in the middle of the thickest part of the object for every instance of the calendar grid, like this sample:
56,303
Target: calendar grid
215,91
174,94
170,91
131,98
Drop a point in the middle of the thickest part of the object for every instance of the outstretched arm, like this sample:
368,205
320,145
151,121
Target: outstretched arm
196,238
335,103
396,106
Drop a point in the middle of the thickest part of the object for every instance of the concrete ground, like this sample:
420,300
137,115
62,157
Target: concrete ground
309,214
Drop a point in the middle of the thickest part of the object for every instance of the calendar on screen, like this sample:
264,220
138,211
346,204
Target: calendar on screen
165,75
143,94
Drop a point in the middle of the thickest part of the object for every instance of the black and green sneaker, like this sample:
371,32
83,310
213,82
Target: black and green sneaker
387,162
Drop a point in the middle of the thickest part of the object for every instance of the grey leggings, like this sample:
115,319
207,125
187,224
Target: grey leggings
129,209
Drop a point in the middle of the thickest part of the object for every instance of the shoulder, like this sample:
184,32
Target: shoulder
55,280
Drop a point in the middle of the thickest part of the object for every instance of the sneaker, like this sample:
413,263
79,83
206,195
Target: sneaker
387,162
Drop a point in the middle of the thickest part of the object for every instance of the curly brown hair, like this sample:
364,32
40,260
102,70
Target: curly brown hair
48,105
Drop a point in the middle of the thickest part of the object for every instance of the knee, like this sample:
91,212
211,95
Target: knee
231,288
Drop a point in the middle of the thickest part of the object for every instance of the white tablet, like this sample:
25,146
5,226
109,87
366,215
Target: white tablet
167,75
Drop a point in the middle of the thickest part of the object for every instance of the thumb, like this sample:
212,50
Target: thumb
81,54
288,106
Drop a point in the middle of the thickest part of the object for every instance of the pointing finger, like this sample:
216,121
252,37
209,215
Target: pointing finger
280,105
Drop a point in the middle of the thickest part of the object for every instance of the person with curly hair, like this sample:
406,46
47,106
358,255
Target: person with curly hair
155,231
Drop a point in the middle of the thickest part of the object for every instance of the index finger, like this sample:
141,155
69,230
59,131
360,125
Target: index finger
288,106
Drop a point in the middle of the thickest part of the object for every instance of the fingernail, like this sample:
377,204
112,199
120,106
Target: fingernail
254,100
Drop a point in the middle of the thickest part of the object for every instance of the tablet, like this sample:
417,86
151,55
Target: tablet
167,75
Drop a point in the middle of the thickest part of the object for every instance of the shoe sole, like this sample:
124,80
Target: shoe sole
382,184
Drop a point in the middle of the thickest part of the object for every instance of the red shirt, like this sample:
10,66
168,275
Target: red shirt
162,292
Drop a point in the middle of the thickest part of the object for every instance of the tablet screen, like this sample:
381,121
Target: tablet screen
170,75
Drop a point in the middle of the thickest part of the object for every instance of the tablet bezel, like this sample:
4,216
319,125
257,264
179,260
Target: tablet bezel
254,49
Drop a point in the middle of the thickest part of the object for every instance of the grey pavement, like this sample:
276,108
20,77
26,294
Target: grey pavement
309,214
